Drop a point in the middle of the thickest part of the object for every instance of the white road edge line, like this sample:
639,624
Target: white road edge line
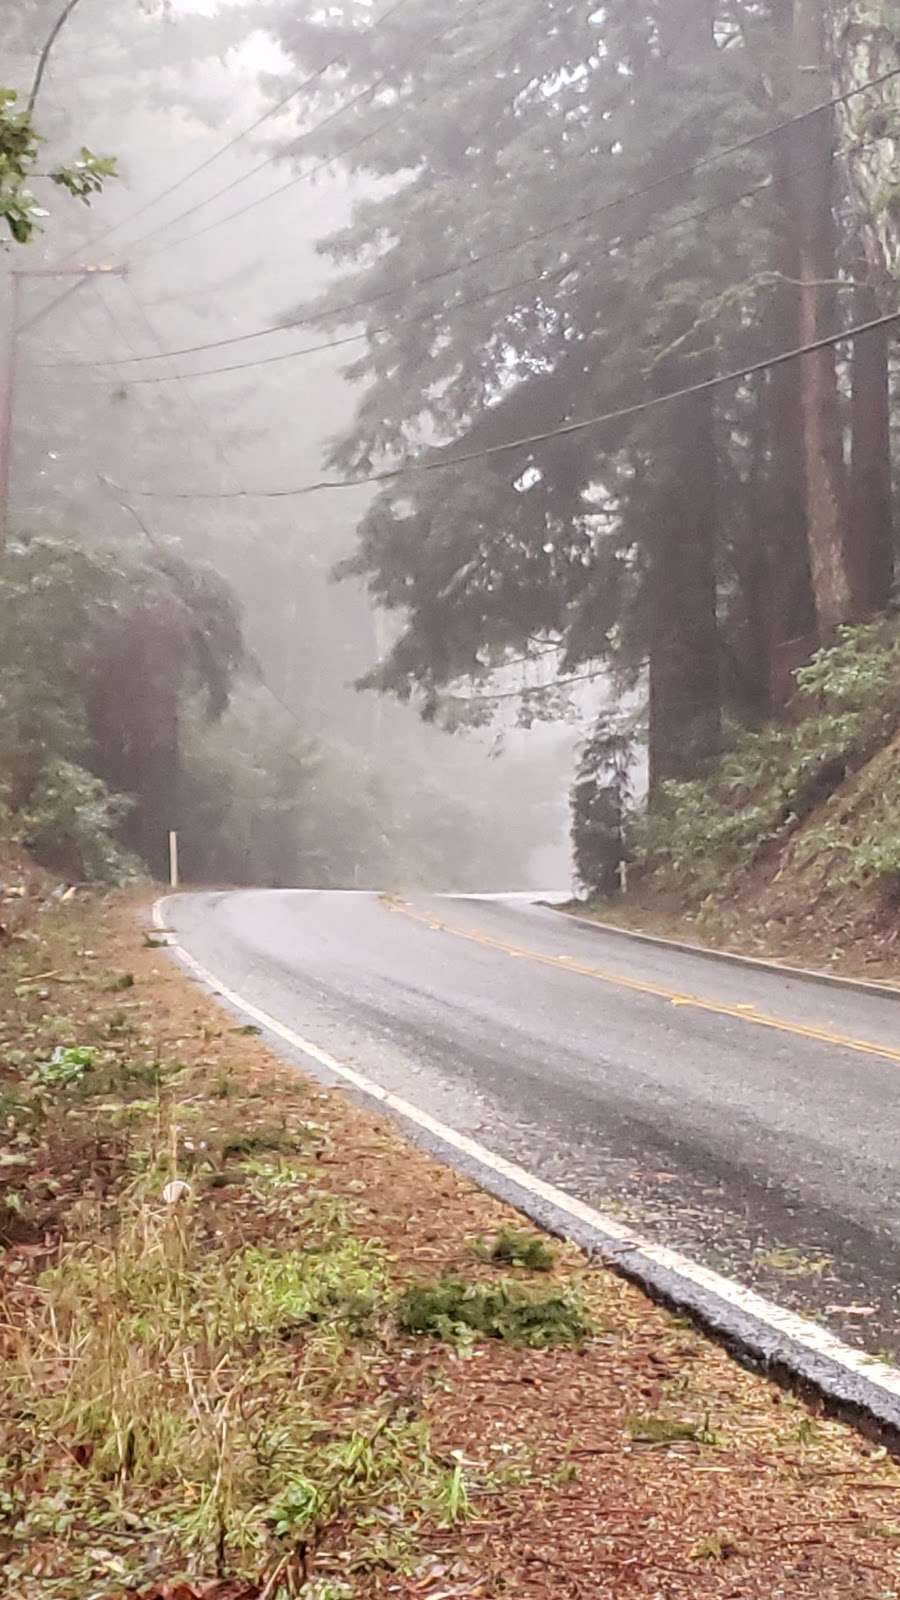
814,1338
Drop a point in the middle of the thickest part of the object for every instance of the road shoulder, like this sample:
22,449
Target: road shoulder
584,917
638,1460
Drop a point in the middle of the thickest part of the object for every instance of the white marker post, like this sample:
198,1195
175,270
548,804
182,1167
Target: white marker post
173,860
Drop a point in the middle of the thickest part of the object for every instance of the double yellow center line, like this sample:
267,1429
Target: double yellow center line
740,1013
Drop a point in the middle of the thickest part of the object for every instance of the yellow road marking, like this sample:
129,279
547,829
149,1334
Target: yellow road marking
742,1013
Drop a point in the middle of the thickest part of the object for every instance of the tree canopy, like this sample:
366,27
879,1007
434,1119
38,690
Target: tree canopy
577,210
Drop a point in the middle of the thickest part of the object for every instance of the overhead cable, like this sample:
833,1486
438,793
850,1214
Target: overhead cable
441,463
236,139
545,277
344,310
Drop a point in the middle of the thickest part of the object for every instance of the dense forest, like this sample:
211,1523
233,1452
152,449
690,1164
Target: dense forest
177,666
579,211
563,216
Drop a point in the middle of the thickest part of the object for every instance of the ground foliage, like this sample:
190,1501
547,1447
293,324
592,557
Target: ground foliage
703,835
790,844
216,1398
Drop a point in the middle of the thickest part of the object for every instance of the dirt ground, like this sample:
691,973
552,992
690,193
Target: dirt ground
773,922
638,1461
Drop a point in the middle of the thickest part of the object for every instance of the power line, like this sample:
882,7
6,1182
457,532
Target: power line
442,311
479,698
304,177
189,400
442,464
528,689
721,155
242,177
545,277
237,138
342,311
352,338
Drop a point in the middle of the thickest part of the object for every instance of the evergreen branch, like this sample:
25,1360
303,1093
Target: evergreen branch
445,463
732,296
528,690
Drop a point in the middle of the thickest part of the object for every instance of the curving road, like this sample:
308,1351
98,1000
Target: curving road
749,1119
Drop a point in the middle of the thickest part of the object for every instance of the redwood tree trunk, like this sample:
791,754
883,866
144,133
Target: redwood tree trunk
791,605
685,701
870,524
812,205
685,690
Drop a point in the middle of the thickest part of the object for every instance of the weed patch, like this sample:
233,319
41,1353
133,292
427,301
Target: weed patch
664,1430
65,1068
512,1249
279,1138
461,1312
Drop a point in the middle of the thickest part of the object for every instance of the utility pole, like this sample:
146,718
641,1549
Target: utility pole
14,328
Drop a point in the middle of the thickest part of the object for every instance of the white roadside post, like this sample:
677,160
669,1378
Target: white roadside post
173,859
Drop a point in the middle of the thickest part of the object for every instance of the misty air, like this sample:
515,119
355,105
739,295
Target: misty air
449,800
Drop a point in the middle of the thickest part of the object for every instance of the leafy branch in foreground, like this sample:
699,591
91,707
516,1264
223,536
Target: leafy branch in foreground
19,149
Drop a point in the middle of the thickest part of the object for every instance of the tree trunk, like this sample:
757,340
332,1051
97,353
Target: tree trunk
685,709
757,589
791,611
685,690
865,42
871,533
791,605
812,153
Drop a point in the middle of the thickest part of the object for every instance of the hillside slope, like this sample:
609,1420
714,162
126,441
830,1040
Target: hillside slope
791,844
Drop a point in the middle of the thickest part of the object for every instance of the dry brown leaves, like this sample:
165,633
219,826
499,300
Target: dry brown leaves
218,1589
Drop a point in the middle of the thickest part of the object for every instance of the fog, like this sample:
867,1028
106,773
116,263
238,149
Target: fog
153,87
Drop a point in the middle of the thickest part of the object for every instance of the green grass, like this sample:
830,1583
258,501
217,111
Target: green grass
199,1385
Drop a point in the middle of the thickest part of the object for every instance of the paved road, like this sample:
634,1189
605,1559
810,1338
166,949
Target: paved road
748,1119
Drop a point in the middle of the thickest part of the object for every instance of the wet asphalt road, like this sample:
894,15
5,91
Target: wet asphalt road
717,1109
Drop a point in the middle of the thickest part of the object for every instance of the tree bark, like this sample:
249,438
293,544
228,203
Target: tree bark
685,701
685,714
791,613
865,43
757,589
870,524
811,145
